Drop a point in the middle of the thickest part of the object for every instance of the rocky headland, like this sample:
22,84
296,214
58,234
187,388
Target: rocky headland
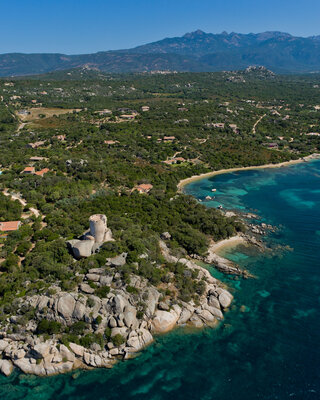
115,326
111,316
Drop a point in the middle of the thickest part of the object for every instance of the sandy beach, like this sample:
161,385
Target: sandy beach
186,181
226,243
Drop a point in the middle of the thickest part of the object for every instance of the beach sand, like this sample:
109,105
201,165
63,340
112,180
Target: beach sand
186,181
227,243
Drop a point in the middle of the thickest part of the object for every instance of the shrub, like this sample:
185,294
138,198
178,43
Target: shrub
140,314
102,291
107,333
49,327
78,328
66,339
132,290
118,340
91,338
90,302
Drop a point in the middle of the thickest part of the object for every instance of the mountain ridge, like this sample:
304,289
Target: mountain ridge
196,51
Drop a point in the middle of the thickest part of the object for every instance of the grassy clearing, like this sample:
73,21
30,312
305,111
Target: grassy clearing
42,112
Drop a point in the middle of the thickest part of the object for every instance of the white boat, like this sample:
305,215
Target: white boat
213,190
208,198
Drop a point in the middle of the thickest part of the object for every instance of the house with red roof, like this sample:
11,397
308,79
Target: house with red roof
144,188
9,226
42,172
29,170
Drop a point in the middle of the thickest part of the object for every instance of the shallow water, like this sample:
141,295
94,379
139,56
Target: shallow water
268,345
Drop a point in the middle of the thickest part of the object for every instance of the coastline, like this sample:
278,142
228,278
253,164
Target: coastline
210,174
221,263
228,243
38,356
41,356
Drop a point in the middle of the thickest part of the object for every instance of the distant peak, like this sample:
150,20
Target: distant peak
273,34
199,32
196,33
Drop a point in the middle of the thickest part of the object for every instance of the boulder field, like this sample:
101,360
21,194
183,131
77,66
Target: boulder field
119,313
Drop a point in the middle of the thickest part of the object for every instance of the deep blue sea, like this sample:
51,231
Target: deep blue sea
268,346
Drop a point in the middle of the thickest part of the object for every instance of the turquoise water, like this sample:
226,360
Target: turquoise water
268,345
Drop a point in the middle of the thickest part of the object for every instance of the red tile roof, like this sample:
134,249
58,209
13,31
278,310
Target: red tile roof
144,187
9,226
29,169
42,172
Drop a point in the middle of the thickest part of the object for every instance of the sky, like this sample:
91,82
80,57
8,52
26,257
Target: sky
87,26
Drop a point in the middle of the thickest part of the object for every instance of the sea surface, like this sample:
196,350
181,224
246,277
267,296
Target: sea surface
268,346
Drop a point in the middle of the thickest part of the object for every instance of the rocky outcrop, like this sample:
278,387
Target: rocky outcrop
222,264
6,367
203,273
66,305
225,299
139,339
131,318
81,248
164,321
118,261
77,349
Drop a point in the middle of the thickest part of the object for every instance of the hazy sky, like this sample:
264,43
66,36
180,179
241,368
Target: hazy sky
83,26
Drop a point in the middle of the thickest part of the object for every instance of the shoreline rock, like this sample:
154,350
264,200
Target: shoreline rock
117,312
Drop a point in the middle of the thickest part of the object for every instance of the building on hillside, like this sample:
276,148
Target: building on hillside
23,113
42,172
128,117
125,110
9,226
169,138
60,137
313,134
174,160
104,112
272,145
36,158
144,188
35,145
28,170
219,125
145,108
182,121
110,142
234,127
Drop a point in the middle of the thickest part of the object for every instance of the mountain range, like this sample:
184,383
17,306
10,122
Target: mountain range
196,52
